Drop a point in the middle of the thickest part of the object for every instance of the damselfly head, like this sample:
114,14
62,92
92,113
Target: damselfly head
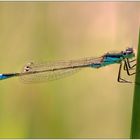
129,51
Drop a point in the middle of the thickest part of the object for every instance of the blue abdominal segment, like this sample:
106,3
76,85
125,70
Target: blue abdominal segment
5,76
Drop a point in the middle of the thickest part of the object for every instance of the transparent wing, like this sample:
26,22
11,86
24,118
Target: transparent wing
40,72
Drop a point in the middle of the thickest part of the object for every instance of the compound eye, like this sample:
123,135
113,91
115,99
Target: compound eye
129,50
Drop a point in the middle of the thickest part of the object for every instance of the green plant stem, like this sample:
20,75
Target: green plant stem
135,123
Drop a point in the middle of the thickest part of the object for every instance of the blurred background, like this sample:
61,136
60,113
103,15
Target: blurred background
88,104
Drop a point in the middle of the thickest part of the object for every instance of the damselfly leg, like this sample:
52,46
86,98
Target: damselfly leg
119,79
129,64
127,67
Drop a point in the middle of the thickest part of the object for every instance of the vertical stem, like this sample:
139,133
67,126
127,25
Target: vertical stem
135,123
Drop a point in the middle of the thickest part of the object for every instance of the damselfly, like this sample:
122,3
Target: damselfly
38,72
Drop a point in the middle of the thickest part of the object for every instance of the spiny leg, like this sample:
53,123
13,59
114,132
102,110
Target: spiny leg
119,79
128,64
128,72
132,65
127,68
